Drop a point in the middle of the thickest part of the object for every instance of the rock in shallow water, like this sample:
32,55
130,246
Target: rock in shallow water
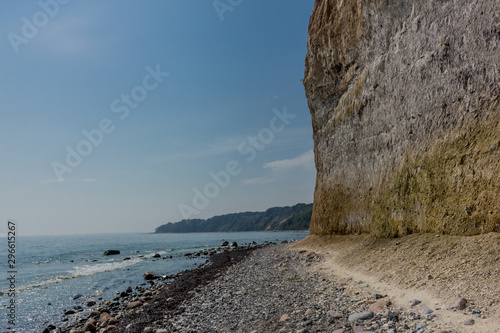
77,296
111,252
151,276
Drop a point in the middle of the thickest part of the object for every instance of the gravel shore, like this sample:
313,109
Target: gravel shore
268,289
274,290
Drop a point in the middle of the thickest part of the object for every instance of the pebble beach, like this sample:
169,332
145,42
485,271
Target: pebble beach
262,289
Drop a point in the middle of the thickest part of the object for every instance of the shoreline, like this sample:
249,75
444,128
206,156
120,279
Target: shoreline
137,308
166,302
314,285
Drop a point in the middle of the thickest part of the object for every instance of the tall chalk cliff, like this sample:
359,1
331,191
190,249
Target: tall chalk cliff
404,98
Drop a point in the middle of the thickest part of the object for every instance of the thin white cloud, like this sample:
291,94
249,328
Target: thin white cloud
257,181
84,180
46,181
305,160
219,146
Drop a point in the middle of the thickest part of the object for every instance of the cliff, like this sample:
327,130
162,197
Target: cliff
404,98
295,217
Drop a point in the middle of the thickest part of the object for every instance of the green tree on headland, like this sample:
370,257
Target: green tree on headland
295,217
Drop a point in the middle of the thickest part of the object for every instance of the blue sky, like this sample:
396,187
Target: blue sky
190,111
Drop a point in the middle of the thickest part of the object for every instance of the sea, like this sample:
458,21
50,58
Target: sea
51,270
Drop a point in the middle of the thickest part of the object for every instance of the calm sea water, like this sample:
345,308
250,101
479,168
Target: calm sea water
53,269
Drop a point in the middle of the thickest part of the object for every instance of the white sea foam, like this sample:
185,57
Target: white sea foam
86,270
151,254
81,271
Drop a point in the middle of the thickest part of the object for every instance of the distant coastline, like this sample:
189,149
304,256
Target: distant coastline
288,218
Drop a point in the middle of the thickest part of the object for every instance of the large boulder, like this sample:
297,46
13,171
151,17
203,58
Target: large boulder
111,252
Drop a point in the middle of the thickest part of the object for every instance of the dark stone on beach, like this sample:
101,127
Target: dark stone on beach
123,294
111,252
233,244
179,311
94,313
224,243
156,255
69,312
393,316
91,303
126,258
77,296
89,327
187,254
129,290
151,276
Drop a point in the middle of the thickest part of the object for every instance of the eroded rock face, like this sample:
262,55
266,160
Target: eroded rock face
404,98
